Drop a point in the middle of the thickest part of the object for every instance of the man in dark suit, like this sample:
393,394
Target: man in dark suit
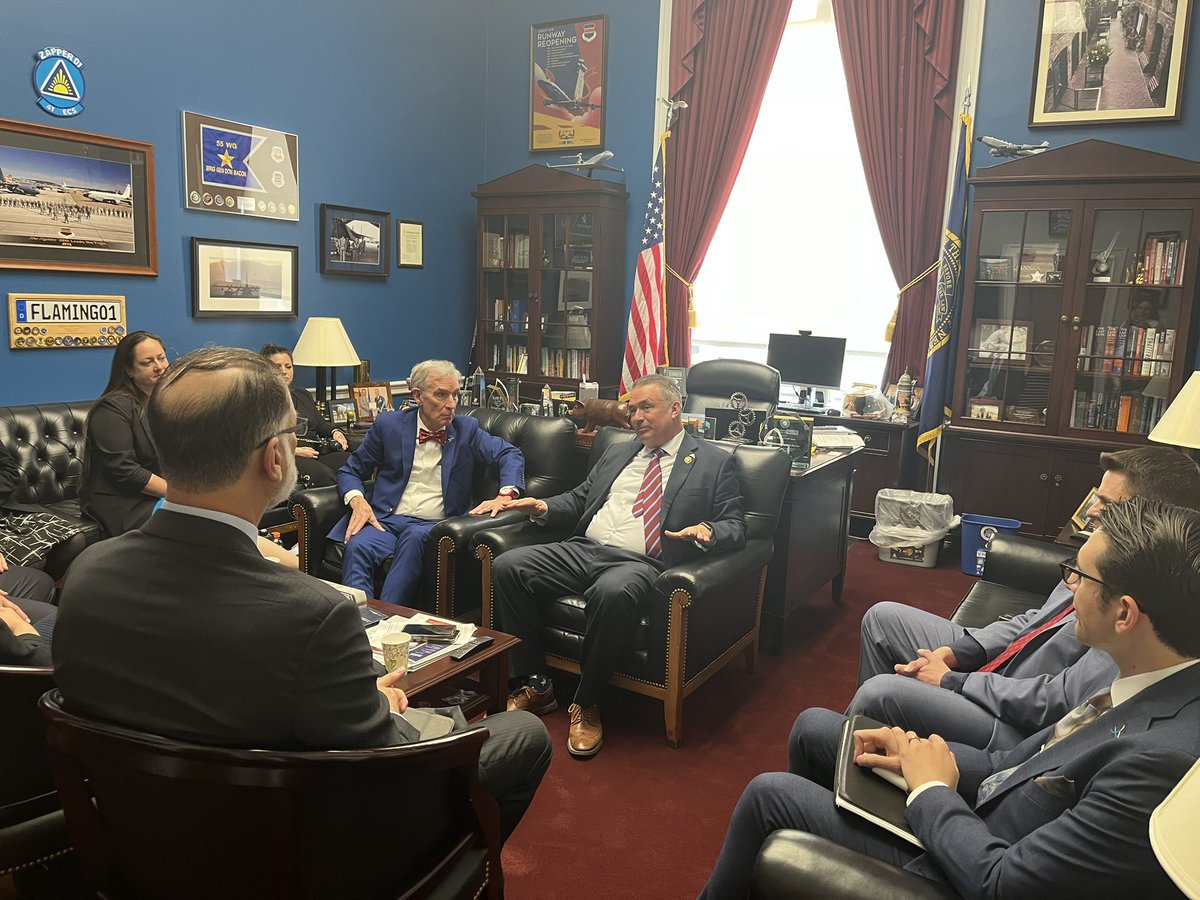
182,628
994,686
646,506
1066,811
425,458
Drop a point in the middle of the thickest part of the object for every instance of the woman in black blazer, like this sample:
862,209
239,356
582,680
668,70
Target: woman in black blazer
321,452
121,483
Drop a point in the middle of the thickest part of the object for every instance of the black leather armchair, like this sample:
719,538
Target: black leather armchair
696,618
793,865
32,827
710,383
1018,575
450,582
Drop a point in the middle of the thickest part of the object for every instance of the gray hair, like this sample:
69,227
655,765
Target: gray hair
666,386
211,410
1153,555
423,372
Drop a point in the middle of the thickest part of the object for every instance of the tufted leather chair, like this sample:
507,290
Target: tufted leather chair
697,616
450,583
710,383
1018,575
47,440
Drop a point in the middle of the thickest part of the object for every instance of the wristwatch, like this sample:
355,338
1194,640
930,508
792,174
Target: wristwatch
510,492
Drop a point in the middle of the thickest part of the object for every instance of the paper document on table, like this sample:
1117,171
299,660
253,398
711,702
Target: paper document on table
420,653
835,437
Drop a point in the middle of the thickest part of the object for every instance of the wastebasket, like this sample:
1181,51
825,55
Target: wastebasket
910,525
977,533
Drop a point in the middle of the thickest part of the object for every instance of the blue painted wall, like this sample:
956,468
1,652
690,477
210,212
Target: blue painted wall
403,106
1006,79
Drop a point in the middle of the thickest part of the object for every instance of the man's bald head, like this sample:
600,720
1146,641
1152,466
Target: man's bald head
211,411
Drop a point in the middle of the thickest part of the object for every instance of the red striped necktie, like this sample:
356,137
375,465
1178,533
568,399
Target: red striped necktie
1019,644
648,504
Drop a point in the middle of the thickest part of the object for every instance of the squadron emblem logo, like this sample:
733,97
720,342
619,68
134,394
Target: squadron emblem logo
58,81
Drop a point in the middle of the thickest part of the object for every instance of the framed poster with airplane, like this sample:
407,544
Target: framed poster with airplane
568,68
75,201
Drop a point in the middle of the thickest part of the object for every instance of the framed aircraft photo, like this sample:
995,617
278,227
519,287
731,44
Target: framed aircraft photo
75,201
354,241
568,67
239,278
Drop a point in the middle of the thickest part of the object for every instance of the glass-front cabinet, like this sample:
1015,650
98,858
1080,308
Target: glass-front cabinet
551,280
1076,305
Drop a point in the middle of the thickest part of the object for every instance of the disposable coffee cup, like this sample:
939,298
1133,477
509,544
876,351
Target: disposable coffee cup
395,651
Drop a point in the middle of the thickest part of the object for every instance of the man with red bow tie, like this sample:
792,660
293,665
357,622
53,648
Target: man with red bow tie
426,459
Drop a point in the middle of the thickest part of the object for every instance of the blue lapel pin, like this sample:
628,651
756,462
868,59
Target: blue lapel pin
1116,732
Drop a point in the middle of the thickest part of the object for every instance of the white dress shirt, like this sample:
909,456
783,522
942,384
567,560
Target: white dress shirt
422,496
246,528
615,524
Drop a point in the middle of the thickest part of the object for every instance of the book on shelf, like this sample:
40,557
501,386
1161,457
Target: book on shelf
1163,260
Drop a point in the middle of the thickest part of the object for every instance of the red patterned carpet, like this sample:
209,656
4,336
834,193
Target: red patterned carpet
641,820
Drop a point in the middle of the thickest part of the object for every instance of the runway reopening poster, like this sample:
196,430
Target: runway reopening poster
232,167
566,86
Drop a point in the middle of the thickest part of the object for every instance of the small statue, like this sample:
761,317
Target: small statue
601,412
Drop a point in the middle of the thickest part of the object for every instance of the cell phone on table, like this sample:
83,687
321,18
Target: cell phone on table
371,617
428,631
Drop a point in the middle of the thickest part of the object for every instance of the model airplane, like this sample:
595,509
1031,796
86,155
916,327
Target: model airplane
592,163
28,190
998,147
113,197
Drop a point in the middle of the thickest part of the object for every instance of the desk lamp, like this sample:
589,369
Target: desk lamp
1180,424
324,344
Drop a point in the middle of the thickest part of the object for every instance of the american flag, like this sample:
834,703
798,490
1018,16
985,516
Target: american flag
645,339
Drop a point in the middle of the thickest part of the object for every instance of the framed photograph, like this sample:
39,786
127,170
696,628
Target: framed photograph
76,201
985,409
371,399
995,268
410,244
243,279
1103,62
340,413
354,241
1000,340
699,426
1079,518
574,290
568,66
1039,262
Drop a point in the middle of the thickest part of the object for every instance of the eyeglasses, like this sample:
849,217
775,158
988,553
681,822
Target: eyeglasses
1071,573
300,429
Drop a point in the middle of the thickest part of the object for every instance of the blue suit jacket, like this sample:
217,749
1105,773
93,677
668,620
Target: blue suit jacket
703,490
1073,820
390,445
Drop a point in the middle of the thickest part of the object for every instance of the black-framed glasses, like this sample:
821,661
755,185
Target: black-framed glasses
300,429
1071,573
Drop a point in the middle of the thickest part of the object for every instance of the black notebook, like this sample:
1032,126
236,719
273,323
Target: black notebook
860,791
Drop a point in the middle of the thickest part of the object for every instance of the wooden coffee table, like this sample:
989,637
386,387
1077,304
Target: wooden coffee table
484,671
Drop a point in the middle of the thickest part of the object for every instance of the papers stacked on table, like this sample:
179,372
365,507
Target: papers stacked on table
420,653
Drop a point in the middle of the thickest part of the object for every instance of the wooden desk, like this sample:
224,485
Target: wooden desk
484,671
890,460
810,541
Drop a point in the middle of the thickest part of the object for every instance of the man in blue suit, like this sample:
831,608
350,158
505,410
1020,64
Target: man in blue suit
425,458
1066,811
992,687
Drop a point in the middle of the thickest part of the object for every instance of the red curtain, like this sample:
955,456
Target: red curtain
722,53
900,59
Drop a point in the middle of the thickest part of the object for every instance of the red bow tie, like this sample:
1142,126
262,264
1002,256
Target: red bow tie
424,435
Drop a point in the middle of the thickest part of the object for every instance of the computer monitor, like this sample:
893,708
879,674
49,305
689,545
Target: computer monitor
807,360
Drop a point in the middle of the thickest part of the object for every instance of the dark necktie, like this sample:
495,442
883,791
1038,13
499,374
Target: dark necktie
440,436
1019,644
648,504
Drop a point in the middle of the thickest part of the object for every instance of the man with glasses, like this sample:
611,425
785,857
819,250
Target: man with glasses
991,687
180,628
1065,812
423,461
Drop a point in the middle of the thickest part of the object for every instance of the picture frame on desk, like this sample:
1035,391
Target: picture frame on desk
340,413
76,201
985,409
371,399
1079,518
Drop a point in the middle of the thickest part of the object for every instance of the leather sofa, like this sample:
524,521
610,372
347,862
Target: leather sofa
698,616
1018,575
47,440
451,580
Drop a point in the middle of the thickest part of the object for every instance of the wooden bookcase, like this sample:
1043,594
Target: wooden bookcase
551,277
1080,281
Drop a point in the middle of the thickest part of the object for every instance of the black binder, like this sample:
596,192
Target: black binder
862,792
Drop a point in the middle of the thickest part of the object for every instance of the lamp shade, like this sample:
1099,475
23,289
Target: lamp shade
1180,424
1173,832
324,342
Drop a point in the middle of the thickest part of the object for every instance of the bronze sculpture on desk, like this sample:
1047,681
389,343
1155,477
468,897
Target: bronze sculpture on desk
595,413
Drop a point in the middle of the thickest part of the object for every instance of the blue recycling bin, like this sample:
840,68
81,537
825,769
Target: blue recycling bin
977,533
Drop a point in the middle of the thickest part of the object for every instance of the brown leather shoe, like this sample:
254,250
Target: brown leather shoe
586,734
537,703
